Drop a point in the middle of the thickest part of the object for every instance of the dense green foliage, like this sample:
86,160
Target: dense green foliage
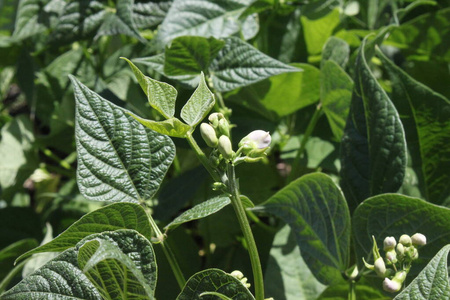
125,174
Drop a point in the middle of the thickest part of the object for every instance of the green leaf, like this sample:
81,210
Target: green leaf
239,64
373,149
425,115
201,18
282,94
336,50
287,276
199,105
148,14
18,158
171,127
190,55
60,278
394,215
221,296
363,290
335,94
11,252
318,30
432,283
214,280
29,19
199,211
109,169
417,43
161,95
310,206
109,218
115,274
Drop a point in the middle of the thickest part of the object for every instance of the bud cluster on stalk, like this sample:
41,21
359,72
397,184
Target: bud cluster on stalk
216,135
397,260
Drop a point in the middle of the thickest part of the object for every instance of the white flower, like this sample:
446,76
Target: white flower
389,243
258,139
418,239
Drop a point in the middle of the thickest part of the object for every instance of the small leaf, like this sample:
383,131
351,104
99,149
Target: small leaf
239,64
201,18
214,280
335,94
171,127
425,115
373,148
394,215
190,55
113,272
336,50
30,15
109,218
199,211
432,283
318,30
161,95
310,206
199,105
109,168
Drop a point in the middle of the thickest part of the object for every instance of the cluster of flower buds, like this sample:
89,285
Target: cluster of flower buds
238,275
397,261
216,134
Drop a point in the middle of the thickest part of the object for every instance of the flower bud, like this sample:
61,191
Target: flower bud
400,249
209,135
391,286
380,267
237,274
412,253
225,147
391,257
258,139
224,127
405,240
418,239
389,243
214,119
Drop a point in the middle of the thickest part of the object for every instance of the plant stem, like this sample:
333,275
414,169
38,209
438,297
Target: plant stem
166,249
246,230
312,124
352,292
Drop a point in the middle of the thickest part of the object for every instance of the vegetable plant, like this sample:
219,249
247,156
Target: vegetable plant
208,149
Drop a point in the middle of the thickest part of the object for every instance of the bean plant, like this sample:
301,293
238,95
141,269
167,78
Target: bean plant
245,150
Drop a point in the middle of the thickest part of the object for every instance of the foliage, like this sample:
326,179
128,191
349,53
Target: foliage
122,132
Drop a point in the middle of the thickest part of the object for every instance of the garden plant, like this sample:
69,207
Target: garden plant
224,149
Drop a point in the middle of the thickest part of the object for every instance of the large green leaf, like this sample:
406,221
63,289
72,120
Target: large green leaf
336,50
394,215
239,64
287,276
161,95
30,19
199,211
282,94
214,280
424,37
109,218
373,149
201,18
121,268
335,95
147,14
432,283
314,207
171,127
118,158
190,55
199,105
425,115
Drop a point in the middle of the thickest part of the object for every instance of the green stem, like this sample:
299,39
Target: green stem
202,157
352,291
246,230
11,275
166,249
312,124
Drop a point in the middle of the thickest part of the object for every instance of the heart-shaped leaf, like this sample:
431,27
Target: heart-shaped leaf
109,218
199,211
373,149
432,283
214,280
119,160
394,215
314,207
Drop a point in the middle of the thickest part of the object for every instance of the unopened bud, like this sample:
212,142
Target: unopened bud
418,239
217,186
412,253
391,286
237,274
391,257
225,147
380,267
214,119
224,127
400,249
209,135
389,243
405,240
